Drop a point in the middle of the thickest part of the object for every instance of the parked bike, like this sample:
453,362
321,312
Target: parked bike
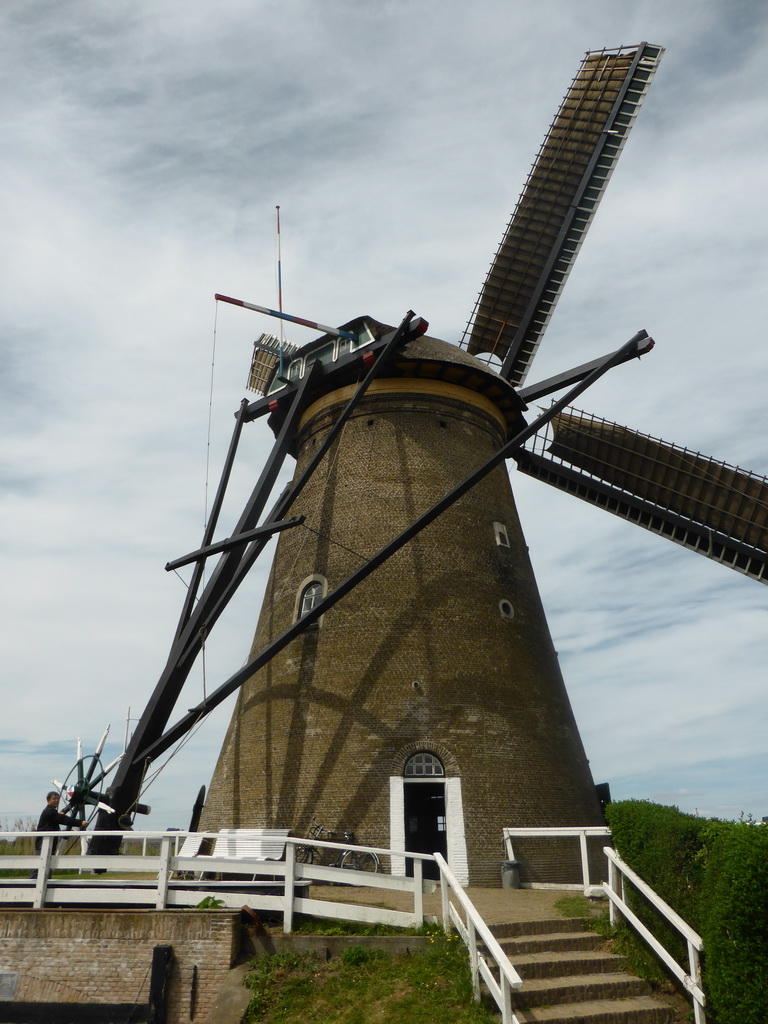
357,860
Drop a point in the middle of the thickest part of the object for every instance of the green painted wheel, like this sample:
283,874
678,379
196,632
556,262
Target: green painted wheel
81,792
80,795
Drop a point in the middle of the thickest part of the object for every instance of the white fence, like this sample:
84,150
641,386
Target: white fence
162,880
614,888
500,976
168,879
574,832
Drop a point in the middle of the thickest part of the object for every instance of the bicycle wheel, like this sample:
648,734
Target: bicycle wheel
360,861
306,855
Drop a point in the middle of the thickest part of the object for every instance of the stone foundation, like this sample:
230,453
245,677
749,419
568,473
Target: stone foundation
104,956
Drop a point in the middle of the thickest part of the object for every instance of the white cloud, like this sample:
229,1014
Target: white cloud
144,151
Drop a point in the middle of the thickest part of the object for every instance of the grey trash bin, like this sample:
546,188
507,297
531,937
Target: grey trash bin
510,874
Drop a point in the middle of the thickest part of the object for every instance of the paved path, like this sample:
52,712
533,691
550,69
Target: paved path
495,906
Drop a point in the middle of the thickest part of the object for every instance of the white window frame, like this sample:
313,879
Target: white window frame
303,586
501,535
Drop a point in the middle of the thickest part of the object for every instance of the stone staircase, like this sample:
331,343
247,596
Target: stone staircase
570,977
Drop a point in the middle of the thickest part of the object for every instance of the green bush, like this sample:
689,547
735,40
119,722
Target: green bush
715,875
665,848
735,930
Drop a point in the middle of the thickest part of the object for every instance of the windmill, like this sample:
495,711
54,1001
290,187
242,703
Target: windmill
402,679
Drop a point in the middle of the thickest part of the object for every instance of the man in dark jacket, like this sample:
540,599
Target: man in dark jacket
51,820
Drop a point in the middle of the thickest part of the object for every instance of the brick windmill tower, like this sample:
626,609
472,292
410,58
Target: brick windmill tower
402,680
428,708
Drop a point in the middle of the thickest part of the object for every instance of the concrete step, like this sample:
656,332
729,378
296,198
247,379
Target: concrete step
580,988
569,976
634,1010
566,964
555,941
545,925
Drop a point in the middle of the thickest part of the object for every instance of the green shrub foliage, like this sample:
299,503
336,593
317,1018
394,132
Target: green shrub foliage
665,848
735,929
715,875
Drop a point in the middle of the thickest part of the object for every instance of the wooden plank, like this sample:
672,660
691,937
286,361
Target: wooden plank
261,843
157,1004
355,912
341,876
230,900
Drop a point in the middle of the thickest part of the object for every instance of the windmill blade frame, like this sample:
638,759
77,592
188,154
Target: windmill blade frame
705,505
557,205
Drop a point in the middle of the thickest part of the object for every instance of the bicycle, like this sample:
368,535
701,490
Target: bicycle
356,860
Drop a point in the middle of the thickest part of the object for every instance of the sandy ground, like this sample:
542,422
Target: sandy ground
495,906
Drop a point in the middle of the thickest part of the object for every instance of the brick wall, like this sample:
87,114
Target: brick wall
419,653
105,956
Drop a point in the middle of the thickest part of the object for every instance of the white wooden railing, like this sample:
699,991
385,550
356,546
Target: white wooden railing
576,832
618,873
500,976
167,879
161,880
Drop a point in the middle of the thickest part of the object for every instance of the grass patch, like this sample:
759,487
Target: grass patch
316,926
574,905
366,986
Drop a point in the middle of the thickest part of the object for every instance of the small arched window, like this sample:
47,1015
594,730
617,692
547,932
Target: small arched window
423,766
310,596
311,592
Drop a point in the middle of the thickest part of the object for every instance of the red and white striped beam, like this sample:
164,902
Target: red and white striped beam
286,316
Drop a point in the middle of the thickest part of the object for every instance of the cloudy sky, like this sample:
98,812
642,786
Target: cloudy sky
143,150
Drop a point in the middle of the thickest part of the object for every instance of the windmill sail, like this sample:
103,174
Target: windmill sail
267,351
719,510
557,205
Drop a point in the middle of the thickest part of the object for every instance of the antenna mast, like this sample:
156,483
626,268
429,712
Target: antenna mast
280,291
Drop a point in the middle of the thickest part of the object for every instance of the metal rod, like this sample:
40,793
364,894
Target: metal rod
279,290
236,681
286,316
213,518
232,542
564,380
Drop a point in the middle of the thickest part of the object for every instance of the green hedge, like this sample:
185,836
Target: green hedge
665,848
735,926
715,875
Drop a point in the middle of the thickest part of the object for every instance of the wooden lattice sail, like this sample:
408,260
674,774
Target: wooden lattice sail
718,510
557,205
